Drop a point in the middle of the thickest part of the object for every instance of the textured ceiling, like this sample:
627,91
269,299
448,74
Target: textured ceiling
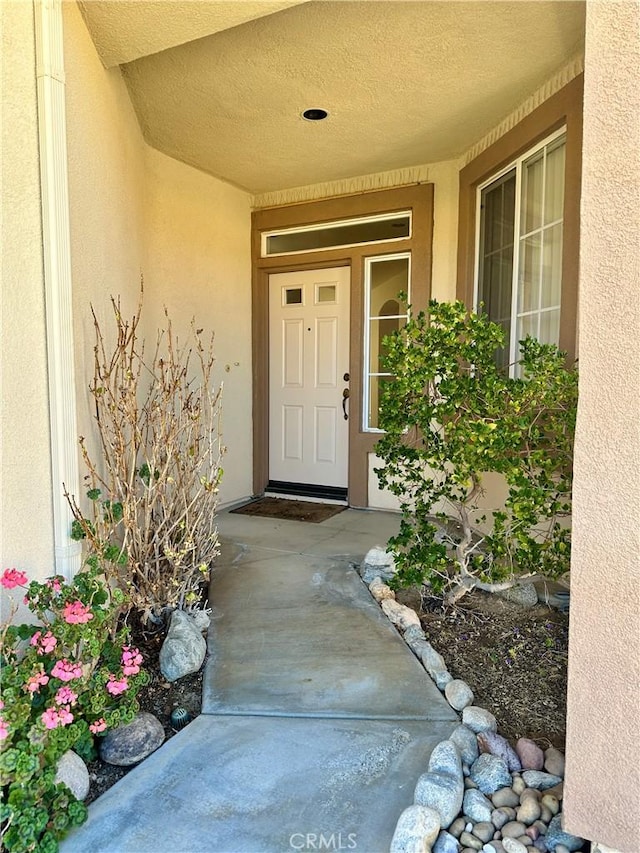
124,30
405,83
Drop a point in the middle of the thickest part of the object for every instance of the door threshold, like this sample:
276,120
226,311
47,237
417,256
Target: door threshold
307,491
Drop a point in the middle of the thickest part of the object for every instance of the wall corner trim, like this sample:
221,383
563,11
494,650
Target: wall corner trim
52,143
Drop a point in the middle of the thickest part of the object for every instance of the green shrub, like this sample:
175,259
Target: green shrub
450,416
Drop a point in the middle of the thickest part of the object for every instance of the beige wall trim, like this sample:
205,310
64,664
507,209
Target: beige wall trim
57,275
348,186
559,80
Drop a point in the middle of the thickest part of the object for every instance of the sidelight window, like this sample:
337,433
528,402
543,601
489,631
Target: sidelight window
385,277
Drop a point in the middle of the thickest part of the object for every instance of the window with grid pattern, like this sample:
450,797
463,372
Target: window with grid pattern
519,246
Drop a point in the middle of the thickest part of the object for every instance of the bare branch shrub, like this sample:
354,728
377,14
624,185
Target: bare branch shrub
154,492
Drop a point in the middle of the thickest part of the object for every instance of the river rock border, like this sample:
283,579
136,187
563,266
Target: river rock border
478,792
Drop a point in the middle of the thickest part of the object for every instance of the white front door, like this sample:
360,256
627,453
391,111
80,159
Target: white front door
308,360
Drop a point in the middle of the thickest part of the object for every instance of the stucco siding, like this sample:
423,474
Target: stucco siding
106,197
603,740
198,264
26,531
136,212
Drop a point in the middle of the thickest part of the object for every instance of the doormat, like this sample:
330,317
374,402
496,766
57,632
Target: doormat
290,510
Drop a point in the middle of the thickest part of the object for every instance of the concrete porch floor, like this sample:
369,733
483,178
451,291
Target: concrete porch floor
317,720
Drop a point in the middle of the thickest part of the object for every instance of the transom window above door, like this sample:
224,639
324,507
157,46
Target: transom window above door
338,234
519,239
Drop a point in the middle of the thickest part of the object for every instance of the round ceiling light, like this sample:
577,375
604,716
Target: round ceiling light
315,114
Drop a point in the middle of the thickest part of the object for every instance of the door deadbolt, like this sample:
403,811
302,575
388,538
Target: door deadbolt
346,377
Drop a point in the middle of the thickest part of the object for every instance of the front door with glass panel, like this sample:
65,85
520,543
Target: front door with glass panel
309,379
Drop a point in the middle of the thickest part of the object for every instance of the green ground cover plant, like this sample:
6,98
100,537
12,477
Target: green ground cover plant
451,416
65,681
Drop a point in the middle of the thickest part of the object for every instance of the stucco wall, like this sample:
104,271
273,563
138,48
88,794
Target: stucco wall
603,724
26,532
445,177
137,212
106,196
198,264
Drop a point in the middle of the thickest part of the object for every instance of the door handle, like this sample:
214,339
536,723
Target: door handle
345,397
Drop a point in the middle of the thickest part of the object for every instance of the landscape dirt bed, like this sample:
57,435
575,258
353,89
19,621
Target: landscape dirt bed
159,698
513,658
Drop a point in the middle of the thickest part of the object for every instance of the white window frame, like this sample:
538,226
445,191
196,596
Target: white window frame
517,165
337,224
368,263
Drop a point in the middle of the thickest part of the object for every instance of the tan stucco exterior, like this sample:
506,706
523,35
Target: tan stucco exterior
603,725
26,531
135,211
106,196
198,264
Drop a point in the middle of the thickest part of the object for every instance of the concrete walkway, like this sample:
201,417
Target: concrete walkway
317,720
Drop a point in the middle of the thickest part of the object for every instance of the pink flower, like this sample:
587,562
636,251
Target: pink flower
99,726
48,643
131,660
45,644
4,727
12,577
53,718
36,680
50,718
66,671
116,687
76,613
65,716
54,584
66,696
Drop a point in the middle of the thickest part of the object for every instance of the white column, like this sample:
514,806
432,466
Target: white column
57,275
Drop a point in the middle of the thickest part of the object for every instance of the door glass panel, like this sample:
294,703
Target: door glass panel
326,293
293,296
388,279
385,313
378,330
375,390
